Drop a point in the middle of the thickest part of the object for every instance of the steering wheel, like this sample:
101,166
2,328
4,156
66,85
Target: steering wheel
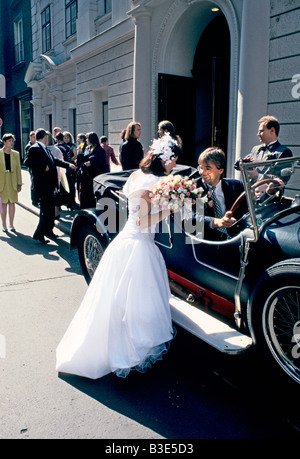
241,197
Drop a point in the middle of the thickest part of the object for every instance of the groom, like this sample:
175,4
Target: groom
221,192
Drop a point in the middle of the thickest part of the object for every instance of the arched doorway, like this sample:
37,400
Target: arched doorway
198,106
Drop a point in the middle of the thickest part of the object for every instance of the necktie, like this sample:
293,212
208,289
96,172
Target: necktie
49,154
217,208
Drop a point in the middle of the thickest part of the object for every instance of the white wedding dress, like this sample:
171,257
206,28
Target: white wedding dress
124,321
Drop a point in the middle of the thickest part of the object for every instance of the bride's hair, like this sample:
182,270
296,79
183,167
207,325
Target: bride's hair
152,163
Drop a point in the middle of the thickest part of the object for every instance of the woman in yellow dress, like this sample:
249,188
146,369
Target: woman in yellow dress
10,180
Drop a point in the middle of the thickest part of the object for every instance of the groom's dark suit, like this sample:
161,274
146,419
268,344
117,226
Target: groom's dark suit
232,189
45,182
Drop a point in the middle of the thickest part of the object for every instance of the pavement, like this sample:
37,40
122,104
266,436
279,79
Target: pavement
66,216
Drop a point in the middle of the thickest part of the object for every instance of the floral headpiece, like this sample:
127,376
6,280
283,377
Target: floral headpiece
163,148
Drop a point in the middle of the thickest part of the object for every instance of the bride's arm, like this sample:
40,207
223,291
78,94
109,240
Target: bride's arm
147,219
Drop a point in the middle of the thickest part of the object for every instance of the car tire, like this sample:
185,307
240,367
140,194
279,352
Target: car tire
274,318
90,251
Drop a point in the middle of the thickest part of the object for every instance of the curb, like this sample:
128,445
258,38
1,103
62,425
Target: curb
64,227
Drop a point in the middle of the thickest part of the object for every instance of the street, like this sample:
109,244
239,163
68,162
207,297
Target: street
193,393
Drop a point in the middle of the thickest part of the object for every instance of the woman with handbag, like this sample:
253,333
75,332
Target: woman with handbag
10,180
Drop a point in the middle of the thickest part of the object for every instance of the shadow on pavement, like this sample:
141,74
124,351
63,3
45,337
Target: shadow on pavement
187,396
56,249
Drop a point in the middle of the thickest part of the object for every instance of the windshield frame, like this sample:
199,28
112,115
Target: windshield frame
287,165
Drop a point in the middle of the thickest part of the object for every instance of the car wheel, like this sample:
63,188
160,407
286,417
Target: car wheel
90,250
275,317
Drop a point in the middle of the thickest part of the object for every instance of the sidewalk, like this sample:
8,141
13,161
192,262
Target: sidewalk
66,216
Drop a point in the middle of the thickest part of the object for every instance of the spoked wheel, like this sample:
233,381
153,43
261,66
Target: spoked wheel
275,317
281,327
90,251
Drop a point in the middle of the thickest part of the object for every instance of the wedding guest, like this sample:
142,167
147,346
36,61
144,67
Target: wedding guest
34,198
94,163
81,144
132,152
10,180
61,173
71,175
122,136
43,166
31,141
56,131
110,154
168,127
269,148
69,140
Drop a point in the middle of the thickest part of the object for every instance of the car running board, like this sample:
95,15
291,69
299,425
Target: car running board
207,328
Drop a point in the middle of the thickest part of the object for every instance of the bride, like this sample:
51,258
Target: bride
124,321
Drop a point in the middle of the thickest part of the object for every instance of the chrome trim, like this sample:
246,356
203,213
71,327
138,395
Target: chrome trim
170,246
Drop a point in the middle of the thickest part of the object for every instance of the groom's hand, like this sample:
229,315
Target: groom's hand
225,222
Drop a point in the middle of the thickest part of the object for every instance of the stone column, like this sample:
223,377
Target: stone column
56,96
253,73
37,106
142,75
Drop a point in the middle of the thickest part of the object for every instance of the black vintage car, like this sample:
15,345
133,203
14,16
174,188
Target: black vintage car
233,294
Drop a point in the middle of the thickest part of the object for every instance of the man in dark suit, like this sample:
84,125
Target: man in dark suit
270,148
221,193
32,140
43,165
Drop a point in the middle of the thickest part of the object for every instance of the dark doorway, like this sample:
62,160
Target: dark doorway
211,76
198,106
176,96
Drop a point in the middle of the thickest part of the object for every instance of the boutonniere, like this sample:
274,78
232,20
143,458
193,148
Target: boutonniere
270,155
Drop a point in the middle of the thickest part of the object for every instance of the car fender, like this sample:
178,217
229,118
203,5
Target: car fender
88,217
284,267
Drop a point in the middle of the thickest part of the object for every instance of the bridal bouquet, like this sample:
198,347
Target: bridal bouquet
175,192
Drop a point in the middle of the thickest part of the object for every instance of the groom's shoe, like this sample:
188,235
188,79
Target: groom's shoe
51,235
41,239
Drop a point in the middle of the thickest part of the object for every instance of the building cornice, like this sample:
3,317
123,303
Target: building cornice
103,41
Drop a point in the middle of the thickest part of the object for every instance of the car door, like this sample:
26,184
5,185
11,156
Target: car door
212,265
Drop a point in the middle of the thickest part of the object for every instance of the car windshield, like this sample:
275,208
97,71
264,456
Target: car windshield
264,203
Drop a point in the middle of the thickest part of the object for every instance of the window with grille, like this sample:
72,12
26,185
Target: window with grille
71,16
46,30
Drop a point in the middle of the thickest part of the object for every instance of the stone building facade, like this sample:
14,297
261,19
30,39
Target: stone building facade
211,67
15,56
